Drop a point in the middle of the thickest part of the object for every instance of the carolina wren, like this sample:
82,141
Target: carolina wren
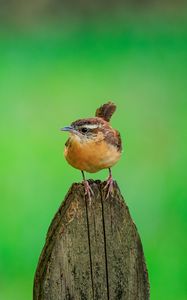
94,145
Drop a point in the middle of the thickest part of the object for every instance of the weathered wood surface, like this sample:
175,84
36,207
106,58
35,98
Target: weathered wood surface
92,252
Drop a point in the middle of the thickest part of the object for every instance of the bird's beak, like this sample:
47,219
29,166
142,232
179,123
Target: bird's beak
69,129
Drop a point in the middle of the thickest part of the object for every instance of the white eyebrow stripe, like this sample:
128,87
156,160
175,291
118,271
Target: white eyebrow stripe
90,126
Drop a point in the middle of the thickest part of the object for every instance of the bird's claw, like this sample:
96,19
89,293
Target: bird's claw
88,191
109,186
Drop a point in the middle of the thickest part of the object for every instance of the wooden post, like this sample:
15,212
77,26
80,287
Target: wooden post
92,251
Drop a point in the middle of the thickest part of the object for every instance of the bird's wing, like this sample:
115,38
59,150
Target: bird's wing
113,137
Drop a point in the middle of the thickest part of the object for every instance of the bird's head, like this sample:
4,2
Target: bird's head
88,129
93,128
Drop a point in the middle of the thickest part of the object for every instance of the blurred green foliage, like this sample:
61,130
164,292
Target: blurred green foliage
51,75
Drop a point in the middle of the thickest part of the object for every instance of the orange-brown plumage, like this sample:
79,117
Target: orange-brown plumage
91,156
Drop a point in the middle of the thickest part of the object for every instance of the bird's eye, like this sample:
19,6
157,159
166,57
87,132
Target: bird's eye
84,130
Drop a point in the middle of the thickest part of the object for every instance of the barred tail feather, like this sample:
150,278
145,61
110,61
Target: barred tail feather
106,111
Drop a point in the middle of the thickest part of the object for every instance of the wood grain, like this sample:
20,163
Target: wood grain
92,251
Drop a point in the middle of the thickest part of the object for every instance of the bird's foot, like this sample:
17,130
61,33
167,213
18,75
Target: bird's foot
88,191
109,186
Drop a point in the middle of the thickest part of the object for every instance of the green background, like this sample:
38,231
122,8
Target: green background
52,73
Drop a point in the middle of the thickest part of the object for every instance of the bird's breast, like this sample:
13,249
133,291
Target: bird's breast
91,156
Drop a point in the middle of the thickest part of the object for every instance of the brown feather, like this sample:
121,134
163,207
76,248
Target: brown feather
106,111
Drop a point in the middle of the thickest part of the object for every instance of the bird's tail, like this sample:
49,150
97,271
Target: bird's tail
106,111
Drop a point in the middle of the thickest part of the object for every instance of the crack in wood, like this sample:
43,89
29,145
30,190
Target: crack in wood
89,244
105,244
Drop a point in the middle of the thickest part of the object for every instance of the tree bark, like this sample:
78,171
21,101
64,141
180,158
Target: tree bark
92,251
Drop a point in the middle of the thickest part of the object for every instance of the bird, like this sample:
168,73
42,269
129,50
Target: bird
94,145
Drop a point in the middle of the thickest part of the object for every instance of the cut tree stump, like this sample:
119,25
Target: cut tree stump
92,251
